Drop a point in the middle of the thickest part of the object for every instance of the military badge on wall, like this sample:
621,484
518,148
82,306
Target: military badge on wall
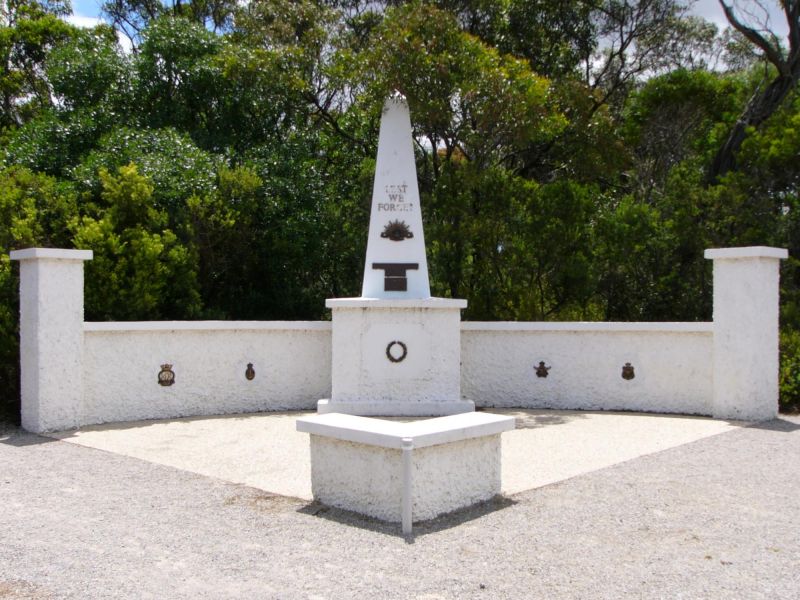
166,376
627,372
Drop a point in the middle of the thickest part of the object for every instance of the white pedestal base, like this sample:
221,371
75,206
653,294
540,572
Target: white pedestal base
405,472
396,357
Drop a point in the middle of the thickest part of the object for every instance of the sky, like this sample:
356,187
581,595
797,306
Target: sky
86,13
711,11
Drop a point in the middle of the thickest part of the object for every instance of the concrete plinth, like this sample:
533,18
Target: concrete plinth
396,357
405,472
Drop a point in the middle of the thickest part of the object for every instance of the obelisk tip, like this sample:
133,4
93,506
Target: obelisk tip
395,98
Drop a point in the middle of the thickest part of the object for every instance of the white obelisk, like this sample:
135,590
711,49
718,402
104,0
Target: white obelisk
396,266
395,350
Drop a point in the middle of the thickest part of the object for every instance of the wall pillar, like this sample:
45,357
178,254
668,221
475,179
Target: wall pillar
746,332
51,337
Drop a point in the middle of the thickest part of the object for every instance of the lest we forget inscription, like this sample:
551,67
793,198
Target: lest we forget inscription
396,266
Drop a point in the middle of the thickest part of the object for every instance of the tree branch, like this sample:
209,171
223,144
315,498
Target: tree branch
772,53
792,10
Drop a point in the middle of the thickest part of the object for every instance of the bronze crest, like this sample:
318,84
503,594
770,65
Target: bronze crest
250,372
397,231
627,371
541,370
166,376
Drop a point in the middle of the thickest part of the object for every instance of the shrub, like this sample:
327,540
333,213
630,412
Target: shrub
790,371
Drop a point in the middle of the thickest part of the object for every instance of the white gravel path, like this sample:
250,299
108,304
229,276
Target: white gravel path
266,452
714,518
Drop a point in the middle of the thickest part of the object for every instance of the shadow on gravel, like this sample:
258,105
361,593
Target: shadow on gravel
21,438
131,425
544,417
534,418
262,502
441,523
779,424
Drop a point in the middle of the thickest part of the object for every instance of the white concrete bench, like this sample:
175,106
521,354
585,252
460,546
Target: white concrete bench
392,470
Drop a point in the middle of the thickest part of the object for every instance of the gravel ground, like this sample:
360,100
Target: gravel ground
266,451
716,518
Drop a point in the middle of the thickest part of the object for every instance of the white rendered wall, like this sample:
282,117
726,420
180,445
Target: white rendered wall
672,366
122,361
75,374
452,476
369,479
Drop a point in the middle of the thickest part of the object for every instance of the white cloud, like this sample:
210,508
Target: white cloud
82,21
89,22
766,10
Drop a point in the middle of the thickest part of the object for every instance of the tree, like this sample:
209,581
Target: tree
175,166
670,120
766,100
170,73
29,29
556,37
140,269
90,70
132,17
630,38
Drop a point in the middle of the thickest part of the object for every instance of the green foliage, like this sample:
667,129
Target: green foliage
89,70
133,17
554,36
790,371
34,211
462,93
87,74
224,168
177,168
28,32
53,143
170,71
140,270
522,255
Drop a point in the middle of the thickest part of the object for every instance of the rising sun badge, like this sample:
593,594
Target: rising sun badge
397,231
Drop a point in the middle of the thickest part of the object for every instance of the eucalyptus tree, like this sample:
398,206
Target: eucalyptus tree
779,82
29,30
132,17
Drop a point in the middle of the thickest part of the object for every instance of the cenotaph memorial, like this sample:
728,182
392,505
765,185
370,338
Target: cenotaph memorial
396,351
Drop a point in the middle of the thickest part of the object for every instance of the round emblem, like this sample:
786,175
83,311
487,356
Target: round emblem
396,351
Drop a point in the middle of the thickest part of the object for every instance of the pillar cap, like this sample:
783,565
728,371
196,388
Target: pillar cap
52,253
746,252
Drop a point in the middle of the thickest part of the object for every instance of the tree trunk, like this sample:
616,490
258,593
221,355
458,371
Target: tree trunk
761,106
